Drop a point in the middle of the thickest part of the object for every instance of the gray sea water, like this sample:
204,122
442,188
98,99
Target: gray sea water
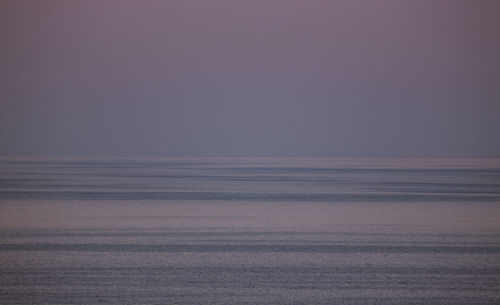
249,231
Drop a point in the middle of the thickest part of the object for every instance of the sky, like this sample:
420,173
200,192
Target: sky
270,78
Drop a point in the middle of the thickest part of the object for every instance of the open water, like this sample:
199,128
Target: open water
249,231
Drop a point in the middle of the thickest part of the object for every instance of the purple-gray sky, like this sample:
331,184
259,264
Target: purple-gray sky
250,78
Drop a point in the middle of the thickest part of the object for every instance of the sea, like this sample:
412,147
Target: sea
185,231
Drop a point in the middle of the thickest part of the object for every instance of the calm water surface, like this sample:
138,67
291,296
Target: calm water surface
249,231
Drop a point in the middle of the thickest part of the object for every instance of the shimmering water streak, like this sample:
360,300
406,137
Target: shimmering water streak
252,179
249,248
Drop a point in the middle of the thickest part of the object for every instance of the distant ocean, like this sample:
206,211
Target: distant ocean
250,231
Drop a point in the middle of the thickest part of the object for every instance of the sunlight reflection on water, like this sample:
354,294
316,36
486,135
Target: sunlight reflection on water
250,231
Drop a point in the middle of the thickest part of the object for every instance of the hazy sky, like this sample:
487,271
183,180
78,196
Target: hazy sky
250,78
